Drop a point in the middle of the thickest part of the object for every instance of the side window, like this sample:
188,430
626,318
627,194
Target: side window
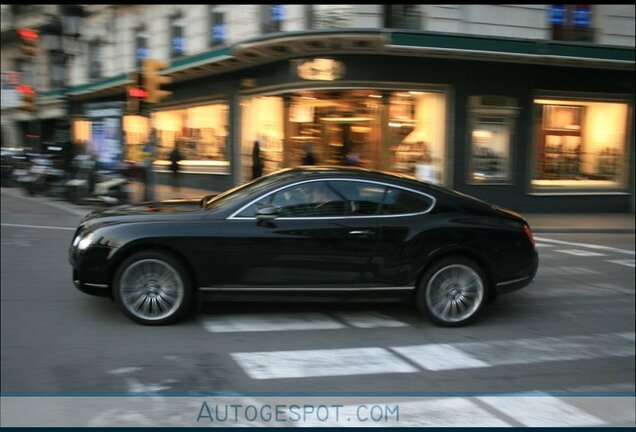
313,199
363,199
400,201
250,211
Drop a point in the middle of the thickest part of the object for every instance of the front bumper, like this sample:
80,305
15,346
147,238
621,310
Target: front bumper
91,273
101,290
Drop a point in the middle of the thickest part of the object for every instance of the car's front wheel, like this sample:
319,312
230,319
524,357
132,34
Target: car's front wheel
452,292
153,288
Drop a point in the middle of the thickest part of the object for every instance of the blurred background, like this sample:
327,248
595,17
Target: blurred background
527,106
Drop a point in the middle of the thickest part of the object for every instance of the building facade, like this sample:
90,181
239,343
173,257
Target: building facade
527,106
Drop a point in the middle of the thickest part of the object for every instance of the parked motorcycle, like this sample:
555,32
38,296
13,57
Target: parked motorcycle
90,185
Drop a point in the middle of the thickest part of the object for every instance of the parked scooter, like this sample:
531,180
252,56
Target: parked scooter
41,176
90,185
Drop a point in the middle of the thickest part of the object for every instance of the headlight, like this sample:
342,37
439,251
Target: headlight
85,241
76,240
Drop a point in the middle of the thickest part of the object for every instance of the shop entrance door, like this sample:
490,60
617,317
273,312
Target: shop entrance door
346,143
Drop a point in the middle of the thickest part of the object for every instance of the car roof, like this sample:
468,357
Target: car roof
321,171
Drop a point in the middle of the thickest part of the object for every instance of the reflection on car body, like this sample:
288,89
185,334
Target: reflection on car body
317,230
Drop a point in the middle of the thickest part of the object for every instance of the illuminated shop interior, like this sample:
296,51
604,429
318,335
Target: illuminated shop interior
334,123
580,144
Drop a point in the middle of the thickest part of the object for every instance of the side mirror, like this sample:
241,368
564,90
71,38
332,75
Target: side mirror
267,213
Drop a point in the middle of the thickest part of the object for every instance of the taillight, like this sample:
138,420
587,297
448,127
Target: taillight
528,232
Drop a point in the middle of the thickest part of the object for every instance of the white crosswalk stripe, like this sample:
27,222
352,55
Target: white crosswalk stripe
578,252
315,363
269,322
625,262
542,411
432,357
296,321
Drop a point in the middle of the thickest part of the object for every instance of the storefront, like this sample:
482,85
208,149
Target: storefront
536,133
401,130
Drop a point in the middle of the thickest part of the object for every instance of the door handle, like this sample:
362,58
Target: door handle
361,233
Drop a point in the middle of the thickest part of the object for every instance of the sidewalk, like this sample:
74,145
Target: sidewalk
601,223
618,223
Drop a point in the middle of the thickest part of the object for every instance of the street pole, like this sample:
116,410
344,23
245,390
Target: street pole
149,191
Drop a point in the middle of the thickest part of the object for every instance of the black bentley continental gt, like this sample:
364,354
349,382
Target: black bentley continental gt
310,230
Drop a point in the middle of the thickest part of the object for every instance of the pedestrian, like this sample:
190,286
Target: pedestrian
175,157
309,158
257,161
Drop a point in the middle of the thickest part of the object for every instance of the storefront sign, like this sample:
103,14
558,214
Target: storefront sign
321,69
105,141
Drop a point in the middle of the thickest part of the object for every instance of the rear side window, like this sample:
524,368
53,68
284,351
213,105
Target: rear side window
400,201
363,199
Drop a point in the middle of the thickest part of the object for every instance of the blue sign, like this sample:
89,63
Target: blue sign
178,44
557,14
582,16
278,13
142,53
218,32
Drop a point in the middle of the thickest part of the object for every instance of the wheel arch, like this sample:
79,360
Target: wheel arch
140,246
470,254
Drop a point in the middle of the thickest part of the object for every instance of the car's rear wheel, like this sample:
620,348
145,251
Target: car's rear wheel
153,288
452,292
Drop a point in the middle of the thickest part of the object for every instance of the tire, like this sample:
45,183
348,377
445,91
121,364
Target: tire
153,288
453,292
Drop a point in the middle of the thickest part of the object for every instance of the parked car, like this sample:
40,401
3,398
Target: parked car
317,230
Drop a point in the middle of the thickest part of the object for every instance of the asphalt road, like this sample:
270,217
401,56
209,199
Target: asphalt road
572,330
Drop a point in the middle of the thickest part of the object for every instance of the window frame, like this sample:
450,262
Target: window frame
141,34
176,21
263,197
213,14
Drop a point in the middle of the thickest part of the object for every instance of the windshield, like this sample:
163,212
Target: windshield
237,194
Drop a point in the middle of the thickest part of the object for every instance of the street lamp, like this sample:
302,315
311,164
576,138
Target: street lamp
60,37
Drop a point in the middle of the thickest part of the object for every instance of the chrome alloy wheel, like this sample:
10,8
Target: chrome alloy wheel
454,293
151,289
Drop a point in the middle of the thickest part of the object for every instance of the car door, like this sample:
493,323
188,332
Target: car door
316,240
407,234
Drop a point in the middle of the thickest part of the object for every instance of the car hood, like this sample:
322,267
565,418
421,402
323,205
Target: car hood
175,206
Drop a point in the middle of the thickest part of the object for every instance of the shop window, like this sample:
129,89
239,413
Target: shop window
272,17
200,133
492,121
330,16
417,134
339,127
580,144
217,27
402,16
177,36
571,23
262,121
141,46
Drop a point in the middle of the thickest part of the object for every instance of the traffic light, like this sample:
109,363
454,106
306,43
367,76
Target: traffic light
27,94
29,41
153,82
135,93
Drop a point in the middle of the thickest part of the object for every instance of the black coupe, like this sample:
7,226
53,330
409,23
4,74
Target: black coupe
316,230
